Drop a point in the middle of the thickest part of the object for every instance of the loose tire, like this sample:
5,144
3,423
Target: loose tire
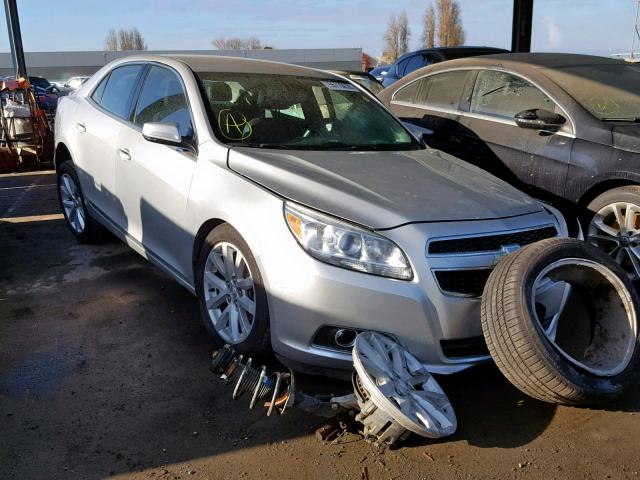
233,302
612,224
594,370
74,208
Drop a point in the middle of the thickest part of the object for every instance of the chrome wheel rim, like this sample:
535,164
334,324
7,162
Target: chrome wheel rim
72,203
229,293
609,336
615,229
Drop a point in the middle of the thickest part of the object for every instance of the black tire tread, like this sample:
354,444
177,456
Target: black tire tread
519,355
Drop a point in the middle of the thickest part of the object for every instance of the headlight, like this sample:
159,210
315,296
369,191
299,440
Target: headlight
345,245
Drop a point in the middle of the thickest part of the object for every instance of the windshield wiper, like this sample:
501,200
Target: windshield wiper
622,119
279,146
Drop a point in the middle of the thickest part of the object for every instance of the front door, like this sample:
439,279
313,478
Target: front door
494,142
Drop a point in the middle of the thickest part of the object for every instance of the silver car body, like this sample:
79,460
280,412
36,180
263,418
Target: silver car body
162,201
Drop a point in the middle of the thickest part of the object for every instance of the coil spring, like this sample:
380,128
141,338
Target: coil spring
232,367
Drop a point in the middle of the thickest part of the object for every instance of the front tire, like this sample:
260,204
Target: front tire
613,226
231,294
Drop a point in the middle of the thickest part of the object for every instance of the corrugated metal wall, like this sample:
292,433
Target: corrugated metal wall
62,65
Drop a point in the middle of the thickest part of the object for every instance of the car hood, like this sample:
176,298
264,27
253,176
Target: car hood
383,189
627,137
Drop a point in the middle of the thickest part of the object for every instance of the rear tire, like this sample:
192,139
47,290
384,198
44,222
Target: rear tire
231,294
523,351
74,208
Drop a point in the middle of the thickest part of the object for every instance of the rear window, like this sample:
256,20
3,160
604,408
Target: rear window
117,93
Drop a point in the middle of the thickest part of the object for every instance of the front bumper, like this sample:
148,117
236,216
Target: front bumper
306,295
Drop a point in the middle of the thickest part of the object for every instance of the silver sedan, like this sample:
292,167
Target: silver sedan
292,203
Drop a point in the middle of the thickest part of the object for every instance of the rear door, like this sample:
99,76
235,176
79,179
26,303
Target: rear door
495,143
98,123
154,179
430,106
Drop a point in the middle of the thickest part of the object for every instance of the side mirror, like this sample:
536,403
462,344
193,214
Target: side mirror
539,119
164,133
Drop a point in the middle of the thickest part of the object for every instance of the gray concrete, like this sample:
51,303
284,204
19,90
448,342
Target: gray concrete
104,371
63,65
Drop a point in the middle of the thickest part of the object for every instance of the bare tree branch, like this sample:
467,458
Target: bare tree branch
396,38
124,39
111,41
429,25
251,43
450,30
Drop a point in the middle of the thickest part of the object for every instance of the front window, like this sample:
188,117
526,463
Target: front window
608,92
284,111
503,94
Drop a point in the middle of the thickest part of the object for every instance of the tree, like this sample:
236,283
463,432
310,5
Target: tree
450,31
251,43
429,33
444,23
111,41
124,39
396,38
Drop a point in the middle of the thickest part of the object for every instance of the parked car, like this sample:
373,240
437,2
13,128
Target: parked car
412,61
367,80
295,206
76,82
566,125
378,71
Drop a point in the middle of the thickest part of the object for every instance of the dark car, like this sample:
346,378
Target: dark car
367,80
567,126
412,61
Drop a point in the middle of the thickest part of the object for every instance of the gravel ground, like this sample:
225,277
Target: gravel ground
103,372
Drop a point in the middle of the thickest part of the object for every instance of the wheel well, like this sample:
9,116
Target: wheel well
601,188
203,231
62,155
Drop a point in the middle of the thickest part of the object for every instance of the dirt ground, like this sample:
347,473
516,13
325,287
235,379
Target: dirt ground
104,372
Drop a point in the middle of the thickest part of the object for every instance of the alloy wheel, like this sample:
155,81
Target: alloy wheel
615,229
229,293
603,322
72,203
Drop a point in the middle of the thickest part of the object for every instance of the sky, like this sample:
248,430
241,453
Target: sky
582,26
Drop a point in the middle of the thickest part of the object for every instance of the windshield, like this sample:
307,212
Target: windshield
284,111
608,92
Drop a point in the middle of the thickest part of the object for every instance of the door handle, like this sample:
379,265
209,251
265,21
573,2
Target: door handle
124,154
81,127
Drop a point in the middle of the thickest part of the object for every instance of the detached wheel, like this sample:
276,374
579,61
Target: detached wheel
560,320
74,208
614,227
233,302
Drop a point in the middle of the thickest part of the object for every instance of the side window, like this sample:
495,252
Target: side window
415,62
442,90
117,92
97,93
163,99
502,94
408,93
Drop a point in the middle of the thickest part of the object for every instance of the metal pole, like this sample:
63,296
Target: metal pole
522,24
635,31
15,38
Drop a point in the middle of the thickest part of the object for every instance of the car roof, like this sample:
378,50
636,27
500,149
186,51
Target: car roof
530,60
219,63
460,49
